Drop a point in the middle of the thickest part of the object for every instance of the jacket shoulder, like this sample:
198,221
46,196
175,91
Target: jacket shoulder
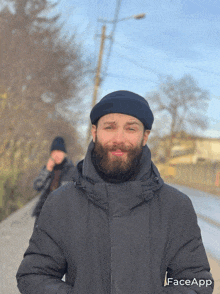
62,203
64,196
64,191
174,197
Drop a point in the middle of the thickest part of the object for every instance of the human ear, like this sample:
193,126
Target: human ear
94,131
146,135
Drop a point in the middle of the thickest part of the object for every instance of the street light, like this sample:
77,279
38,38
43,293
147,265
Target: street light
103,37
136,16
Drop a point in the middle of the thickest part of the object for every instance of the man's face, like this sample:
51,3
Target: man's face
119,139
58,156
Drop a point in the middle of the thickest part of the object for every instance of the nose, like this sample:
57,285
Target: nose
119,137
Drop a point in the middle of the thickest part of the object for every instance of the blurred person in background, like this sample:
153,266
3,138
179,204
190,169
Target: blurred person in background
57,172
117,228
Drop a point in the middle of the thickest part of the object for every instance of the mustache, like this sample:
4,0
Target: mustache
121,147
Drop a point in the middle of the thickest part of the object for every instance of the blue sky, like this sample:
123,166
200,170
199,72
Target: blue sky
176,37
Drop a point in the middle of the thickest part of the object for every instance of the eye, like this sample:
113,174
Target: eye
107,128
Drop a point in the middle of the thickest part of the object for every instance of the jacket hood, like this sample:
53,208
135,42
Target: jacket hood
131,193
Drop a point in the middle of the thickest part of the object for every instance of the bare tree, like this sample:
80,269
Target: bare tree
42,70
180,104
42,74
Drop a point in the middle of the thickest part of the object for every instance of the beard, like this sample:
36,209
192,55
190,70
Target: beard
116,169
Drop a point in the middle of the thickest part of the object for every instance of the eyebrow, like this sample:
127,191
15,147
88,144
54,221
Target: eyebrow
109,122
127,123
133,123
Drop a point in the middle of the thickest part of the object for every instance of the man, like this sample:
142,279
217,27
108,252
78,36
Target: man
117,229
58,171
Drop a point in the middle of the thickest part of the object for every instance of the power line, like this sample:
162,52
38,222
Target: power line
159,74
191,67
115,21
130,78
141,66
126,46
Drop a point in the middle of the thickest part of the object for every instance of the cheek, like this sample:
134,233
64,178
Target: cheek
60,156
104,137
135,140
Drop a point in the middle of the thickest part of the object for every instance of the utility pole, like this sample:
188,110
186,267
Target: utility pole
103,37
97,77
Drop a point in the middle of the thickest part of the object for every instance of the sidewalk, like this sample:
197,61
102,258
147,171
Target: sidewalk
15,232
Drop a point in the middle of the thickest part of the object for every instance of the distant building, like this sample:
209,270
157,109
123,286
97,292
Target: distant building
188,149
196,149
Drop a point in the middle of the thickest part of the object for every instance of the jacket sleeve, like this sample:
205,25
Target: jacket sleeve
43,267
42,180
188,270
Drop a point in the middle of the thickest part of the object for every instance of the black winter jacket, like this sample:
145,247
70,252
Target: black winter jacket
116,238
44,179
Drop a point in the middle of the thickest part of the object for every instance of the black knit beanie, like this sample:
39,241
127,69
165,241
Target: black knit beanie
124,102
58,144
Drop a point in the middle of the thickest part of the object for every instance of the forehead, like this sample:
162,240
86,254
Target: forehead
119,118
57,151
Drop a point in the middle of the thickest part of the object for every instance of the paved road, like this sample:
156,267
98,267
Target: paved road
16,230
207,207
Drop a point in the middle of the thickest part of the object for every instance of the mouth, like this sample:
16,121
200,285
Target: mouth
117,152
